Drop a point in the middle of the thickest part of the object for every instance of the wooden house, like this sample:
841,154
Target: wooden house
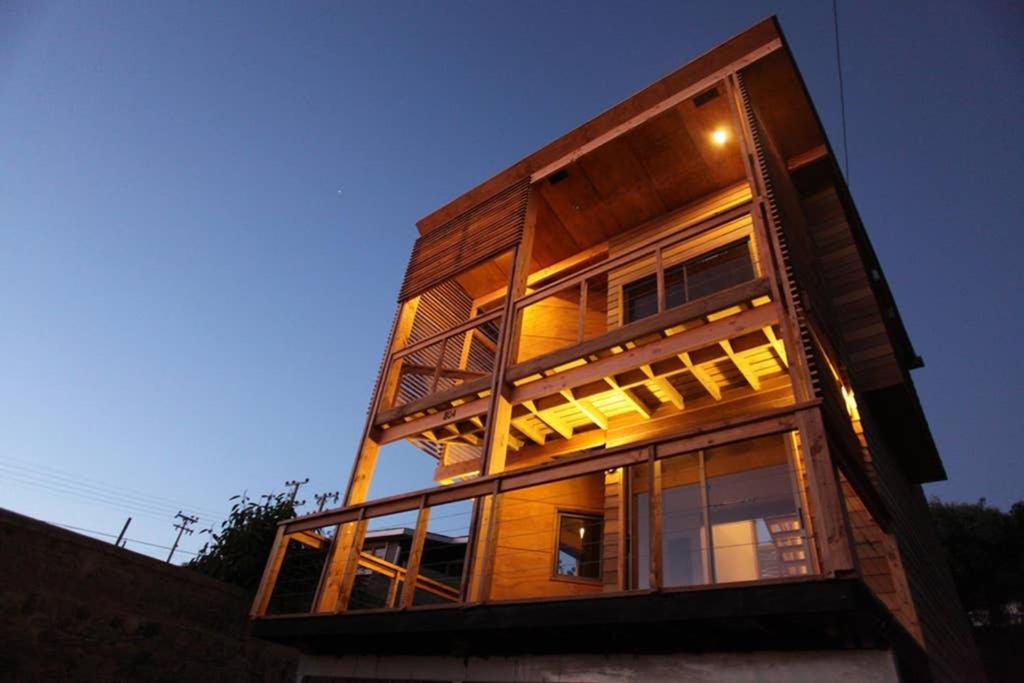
667,397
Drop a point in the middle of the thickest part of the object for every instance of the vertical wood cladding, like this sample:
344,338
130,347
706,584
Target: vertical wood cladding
827,274
470,238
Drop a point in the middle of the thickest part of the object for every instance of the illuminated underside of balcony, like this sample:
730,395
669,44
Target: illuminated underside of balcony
707,351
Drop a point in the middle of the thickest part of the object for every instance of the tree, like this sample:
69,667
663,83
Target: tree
238,551
985,547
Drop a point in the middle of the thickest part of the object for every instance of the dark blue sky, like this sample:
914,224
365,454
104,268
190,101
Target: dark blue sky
206,210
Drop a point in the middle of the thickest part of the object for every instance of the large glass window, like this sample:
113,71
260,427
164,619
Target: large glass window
696,278
743,493
579,546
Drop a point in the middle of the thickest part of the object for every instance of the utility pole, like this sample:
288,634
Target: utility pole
182,527
117,543
295,484
322,498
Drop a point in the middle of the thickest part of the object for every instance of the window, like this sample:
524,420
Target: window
696,278
579,546
743,493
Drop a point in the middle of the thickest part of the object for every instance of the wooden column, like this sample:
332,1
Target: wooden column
832,529
270,572
383,394
340,569
657,567
494,450
412,571
769,251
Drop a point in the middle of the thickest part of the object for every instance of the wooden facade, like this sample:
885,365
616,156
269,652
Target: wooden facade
657,354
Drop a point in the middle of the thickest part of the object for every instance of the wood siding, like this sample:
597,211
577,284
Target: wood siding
524,557
668,225
483,231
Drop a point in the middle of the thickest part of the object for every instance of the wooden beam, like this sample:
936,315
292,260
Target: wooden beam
310,539
429,422
742,365
674,397
702,376
719,433
528,430
270,572
673,345
740,294
412,571
656,564
472,388
563,430
630,397
780,348
808,157
833,541
588,409
651,112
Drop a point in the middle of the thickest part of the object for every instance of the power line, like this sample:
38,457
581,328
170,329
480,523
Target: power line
842,96
104,487
103,533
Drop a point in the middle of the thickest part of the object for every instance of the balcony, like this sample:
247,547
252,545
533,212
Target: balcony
705,508
668,326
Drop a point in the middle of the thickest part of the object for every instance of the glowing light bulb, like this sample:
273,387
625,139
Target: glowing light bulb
582,531
720,136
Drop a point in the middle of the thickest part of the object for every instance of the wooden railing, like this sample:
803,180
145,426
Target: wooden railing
721,433
398,576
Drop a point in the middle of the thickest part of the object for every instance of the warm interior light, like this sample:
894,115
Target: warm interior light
582,531
720,136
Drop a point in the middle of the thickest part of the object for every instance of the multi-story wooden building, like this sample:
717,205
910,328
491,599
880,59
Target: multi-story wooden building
667,393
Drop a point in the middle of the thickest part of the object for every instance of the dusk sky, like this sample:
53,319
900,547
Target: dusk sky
206,210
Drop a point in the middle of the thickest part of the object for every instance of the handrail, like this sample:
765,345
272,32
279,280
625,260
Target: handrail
451,332
394,571
734,429
634,254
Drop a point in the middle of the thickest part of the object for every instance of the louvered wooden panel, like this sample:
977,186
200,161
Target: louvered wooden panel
469,239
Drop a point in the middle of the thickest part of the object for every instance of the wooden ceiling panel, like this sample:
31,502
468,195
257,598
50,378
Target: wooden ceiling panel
580,208
724,162
673,163
621,179
552,242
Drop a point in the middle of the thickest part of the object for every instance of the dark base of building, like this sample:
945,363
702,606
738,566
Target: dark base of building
808,616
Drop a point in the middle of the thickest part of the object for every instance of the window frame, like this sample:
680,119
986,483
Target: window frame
561,513
681,267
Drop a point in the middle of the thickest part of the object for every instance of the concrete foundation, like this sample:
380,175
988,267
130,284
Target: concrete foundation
763,667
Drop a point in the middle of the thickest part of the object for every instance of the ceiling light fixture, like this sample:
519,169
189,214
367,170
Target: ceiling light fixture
720,136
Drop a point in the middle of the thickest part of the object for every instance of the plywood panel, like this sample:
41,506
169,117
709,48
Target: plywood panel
524,557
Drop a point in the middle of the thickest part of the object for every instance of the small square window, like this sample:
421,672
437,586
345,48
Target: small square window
579,546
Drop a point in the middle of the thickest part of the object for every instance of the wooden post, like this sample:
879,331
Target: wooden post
383,394
770,257
270,572
833,538
339,576
582,333
657,556
799,478
659,270
412,572
494,449
709,542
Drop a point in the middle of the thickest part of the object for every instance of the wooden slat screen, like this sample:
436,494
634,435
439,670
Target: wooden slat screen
469,239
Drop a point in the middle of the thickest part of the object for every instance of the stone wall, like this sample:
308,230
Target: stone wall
73,608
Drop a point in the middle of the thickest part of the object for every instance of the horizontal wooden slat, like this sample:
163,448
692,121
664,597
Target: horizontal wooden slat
469,239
